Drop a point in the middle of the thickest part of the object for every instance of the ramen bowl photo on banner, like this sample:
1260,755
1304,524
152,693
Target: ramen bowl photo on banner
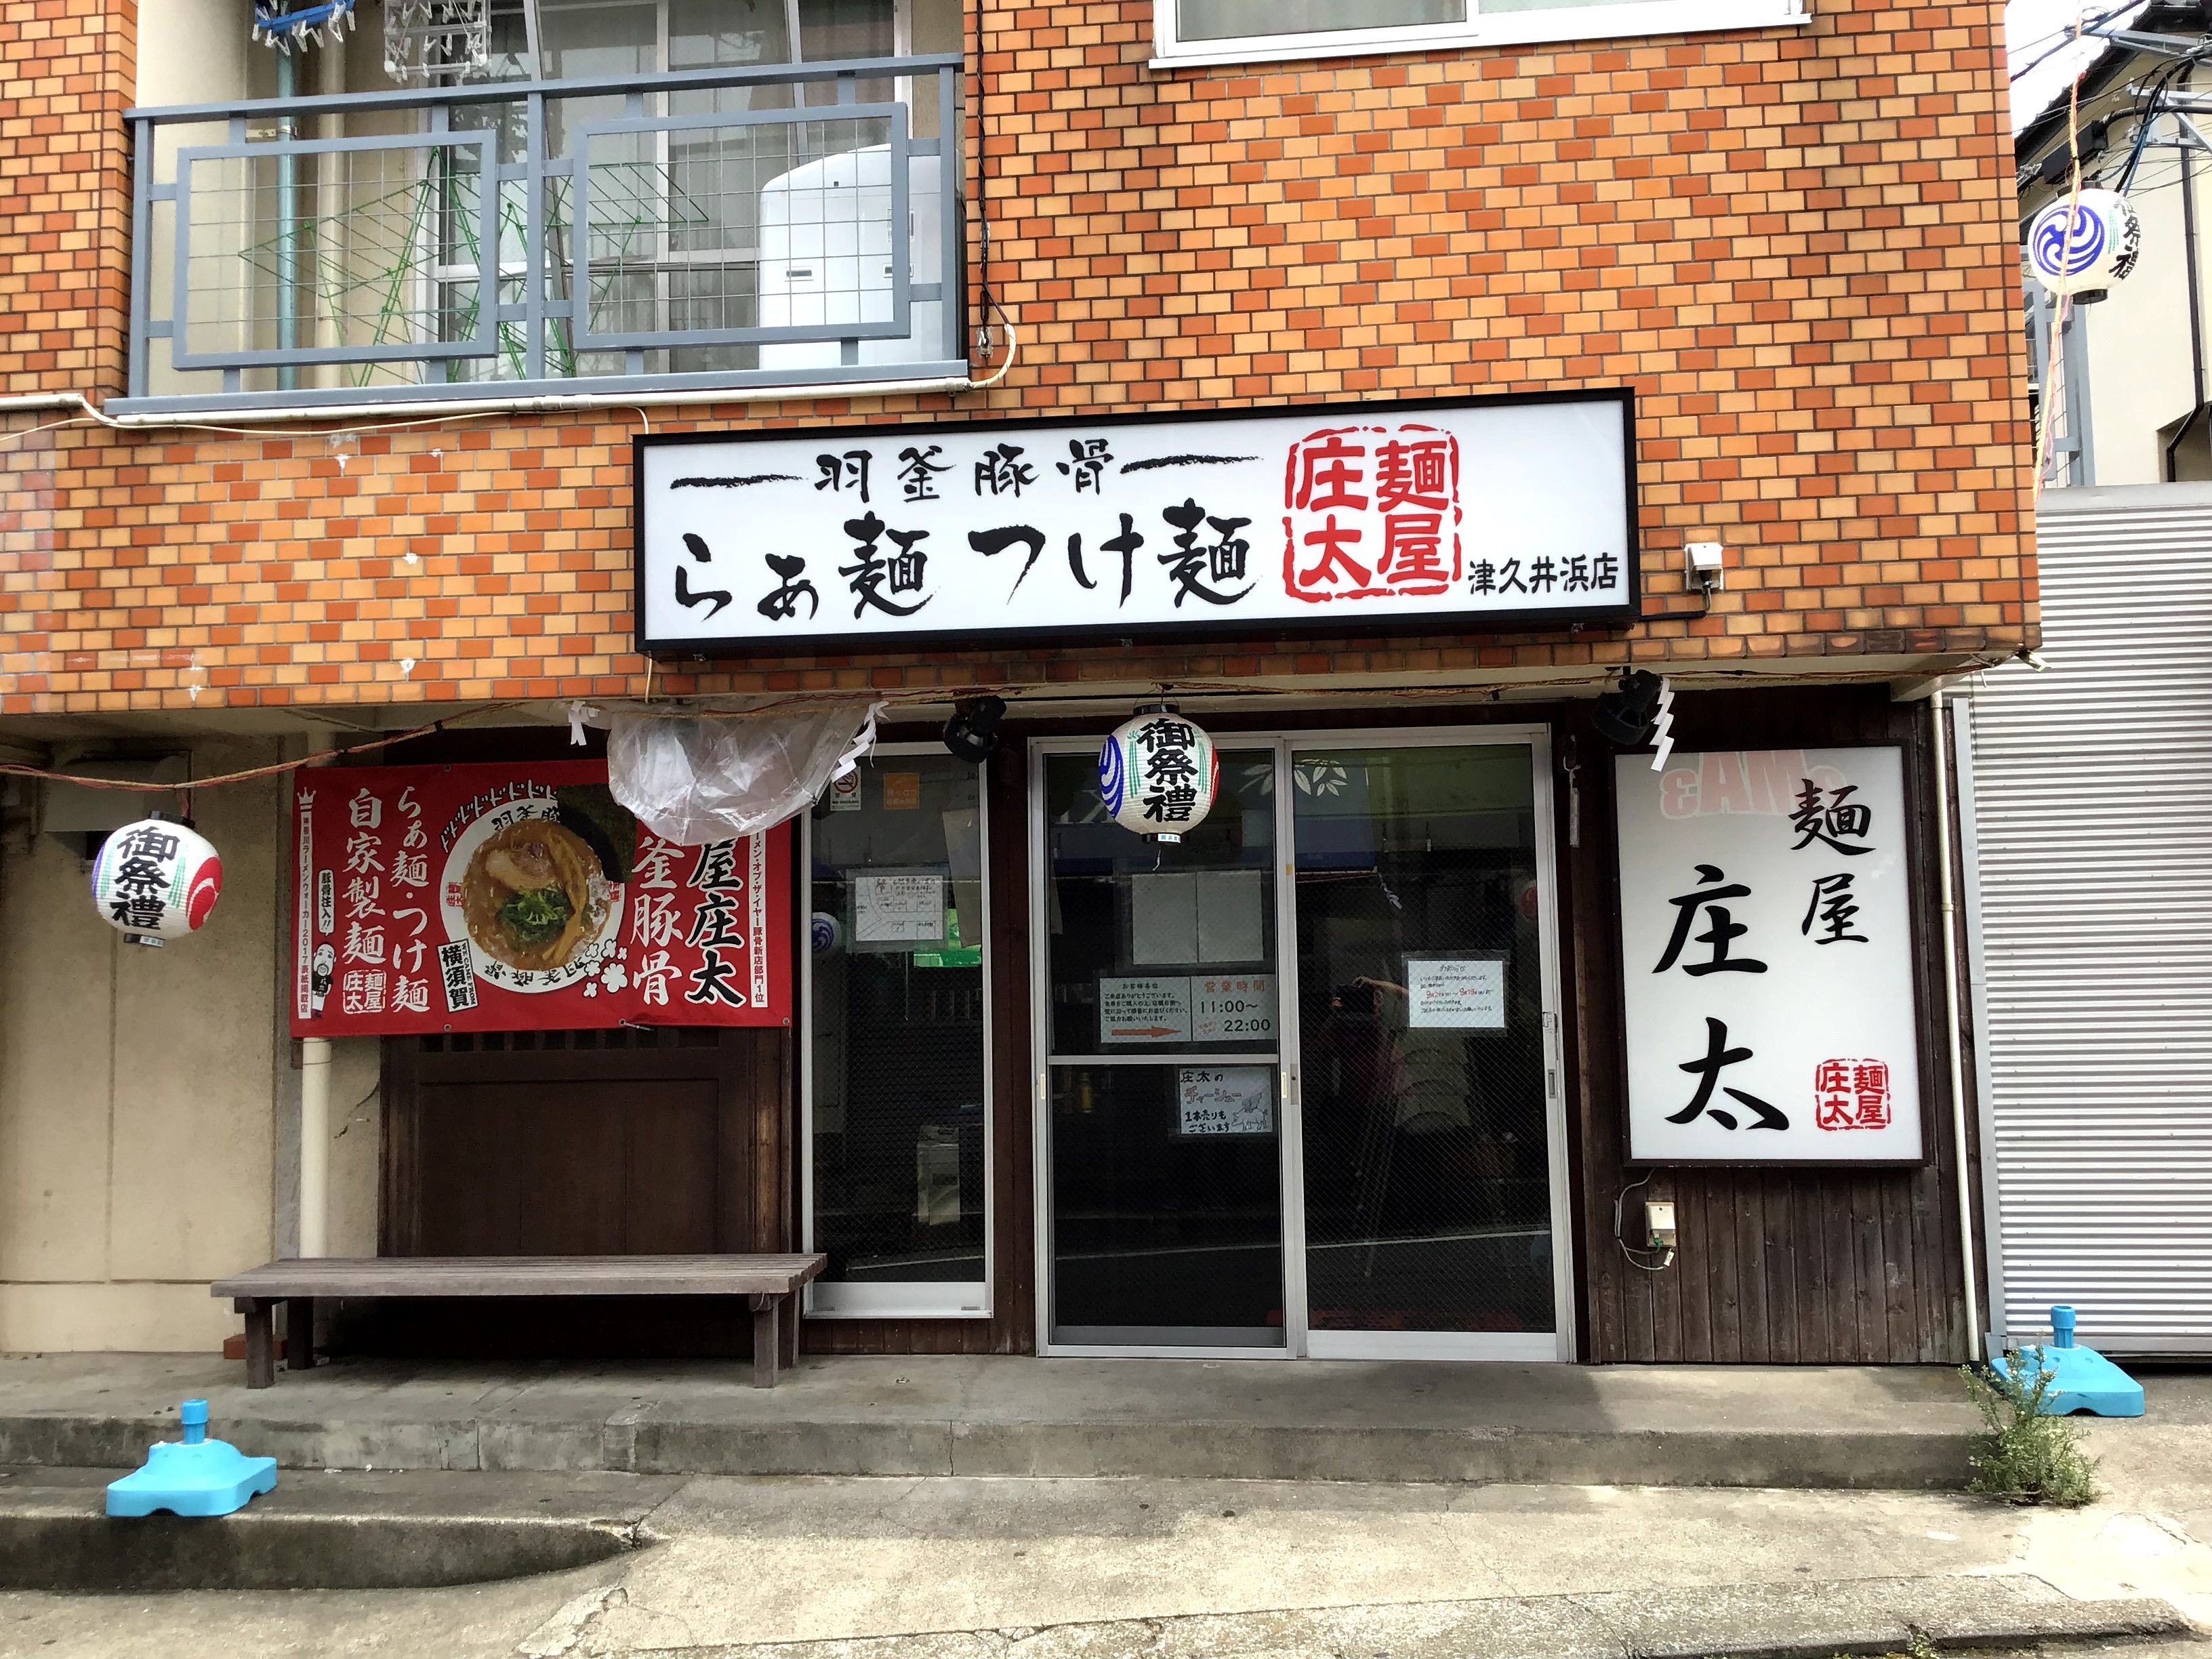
522,898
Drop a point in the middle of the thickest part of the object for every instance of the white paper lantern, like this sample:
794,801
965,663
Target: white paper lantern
156,880
1158,774
2084,251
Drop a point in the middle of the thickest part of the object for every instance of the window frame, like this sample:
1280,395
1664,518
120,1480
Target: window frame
905,1298
1576,22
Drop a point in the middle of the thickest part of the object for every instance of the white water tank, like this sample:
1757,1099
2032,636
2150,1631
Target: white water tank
825,246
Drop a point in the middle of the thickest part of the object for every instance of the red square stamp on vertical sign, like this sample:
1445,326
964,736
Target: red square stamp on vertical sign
1851,1094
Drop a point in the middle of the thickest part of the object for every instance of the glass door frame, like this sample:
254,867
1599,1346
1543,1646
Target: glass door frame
906,1298
1300,1341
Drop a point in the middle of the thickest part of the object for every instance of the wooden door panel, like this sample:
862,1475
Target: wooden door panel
671,1169
584,1143
556,1143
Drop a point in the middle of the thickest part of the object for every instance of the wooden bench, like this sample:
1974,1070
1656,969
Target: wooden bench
769,1282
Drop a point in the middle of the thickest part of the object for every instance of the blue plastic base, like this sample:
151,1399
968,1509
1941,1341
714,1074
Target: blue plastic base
212,1478
2082,1380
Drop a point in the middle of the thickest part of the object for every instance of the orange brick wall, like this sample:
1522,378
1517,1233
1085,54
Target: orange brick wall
64,193
1797,246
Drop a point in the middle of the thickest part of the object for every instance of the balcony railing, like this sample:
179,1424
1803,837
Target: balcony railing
798,225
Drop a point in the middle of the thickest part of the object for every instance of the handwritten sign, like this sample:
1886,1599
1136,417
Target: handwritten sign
1443,515
898,909
1455,991
1225,1100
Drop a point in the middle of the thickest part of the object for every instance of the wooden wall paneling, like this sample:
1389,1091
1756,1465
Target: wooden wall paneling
1907,1316
1936,1336
564,1143
735,1136
1777,1268
1803,1267
670,1149
398,1216
1941,1300
766,1081
1723,1285
1869,1299
1817,1321
1614,1295
1579,1241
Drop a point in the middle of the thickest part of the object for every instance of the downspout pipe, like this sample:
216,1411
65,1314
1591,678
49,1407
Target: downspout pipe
314,1146
2195,315
315,1126
1954,1047
288,220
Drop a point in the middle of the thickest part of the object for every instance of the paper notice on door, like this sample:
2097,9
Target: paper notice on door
906,910
1226,1100
1228,904
1144,1009
1232,1008
1163,918
1455,991
1197,917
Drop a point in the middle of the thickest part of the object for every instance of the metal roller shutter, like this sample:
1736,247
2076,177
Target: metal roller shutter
2092,810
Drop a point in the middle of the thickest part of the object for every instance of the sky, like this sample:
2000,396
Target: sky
2033,27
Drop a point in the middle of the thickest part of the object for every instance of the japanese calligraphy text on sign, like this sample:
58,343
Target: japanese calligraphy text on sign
1767,958
1502,512
522,897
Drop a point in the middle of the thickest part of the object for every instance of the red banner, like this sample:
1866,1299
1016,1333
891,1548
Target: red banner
522,898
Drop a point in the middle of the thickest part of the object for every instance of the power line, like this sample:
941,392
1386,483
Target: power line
2074,33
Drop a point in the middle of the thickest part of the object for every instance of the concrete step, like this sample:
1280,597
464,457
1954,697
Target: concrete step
319,1531
1353,1421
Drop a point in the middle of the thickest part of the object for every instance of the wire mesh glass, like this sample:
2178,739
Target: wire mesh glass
896,1084
1427,1170
1160,1237
1125,909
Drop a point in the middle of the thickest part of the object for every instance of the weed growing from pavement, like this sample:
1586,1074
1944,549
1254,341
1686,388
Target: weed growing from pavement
2033,1458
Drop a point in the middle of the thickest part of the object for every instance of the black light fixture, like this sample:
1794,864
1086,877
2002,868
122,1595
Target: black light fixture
1626,715
973,731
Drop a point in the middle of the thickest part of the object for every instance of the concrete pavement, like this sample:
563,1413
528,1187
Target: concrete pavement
997,1568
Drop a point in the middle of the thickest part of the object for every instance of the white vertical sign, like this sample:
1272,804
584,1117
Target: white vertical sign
1767,955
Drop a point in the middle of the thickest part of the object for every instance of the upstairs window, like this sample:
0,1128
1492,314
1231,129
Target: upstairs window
1249,31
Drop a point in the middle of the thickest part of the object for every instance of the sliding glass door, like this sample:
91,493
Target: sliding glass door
1300,1088
1162,1080
1426,1080
896,1152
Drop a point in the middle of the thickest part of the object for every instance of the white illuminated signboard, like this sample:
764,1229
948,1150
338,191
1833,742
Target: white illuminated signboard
1766,949
1490,513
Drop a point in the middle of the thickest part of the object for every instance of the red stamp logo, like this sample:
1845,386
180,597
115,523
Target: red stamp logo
1851,1094
1370,510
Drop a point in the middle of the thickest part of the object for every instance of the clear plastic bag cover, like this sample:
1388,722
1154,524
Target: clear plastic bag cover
693,782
